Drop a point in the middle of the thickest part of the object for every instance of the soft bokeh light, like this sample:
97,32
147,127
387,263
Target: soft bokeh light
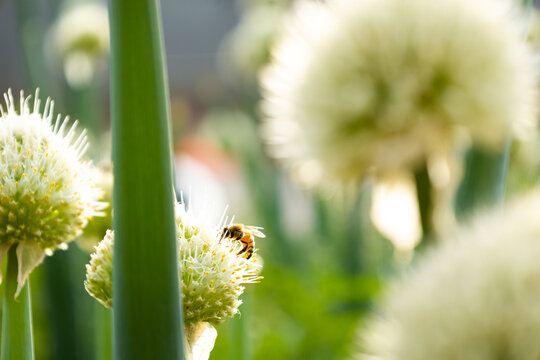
394,211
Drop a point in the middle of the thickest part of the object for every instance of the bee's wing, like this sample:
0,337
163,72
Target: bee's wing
255,231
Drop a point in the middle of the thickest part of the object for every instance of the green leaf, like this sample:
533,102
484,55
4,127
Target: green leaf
147,314
17,341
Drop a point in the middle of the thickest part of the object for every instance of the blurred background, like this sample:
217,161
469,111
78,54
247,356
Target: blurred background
325,260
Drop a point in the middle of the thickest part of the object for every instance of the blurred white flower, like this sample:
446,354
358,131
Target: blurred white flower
373,86
81,40
476,297
248,47
47,193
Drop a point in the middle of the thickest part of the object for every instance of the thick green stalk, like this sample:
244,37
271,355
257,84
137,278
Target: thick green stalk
147,316
102,332
484,181
17,341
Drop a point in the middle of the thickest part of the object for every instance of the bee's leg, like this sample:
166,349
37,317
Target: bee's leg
244,248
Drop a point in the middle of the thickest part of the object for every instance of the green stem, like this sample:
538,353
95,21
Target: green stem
322,217
61,314
102,332
425,203
84,106
17,341
240,345
147,312
354,236
484,181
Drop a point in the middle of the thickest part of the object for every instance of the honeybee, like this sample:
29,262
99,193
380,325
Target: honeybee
245,234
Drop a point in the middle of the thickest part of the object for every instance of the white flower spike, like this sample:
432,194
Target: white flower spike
47,192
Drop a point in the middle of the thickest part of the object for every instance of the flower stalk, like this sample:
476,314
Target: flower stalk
425,203
17,341
147,313
103,332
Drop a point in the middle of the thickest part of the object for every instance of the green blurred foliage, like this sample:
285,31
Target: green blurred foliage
317,285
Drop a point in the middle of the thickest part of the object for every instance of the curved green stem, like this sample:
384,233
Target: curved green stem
425,204
17,341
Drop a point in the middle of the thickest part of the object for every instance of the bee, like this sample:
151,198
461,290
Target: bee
245,234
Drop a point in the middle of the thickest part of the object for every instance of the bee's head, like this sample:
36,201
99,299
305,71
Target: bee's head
225,232
233,232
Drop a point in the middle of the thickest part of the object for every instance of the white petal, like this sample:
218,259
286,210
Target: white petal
204,339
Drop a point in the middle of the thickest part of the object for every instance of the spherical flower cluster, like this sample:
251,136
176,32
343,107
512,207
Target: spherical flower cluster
98,226
99,272
373,86
211,272
475,297
47,193
81,40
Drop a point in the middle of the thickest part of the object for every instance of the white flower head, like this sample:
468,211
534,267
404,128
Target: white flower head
212,274
98,226
99,271
47,193
374,86
476,297
81,40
